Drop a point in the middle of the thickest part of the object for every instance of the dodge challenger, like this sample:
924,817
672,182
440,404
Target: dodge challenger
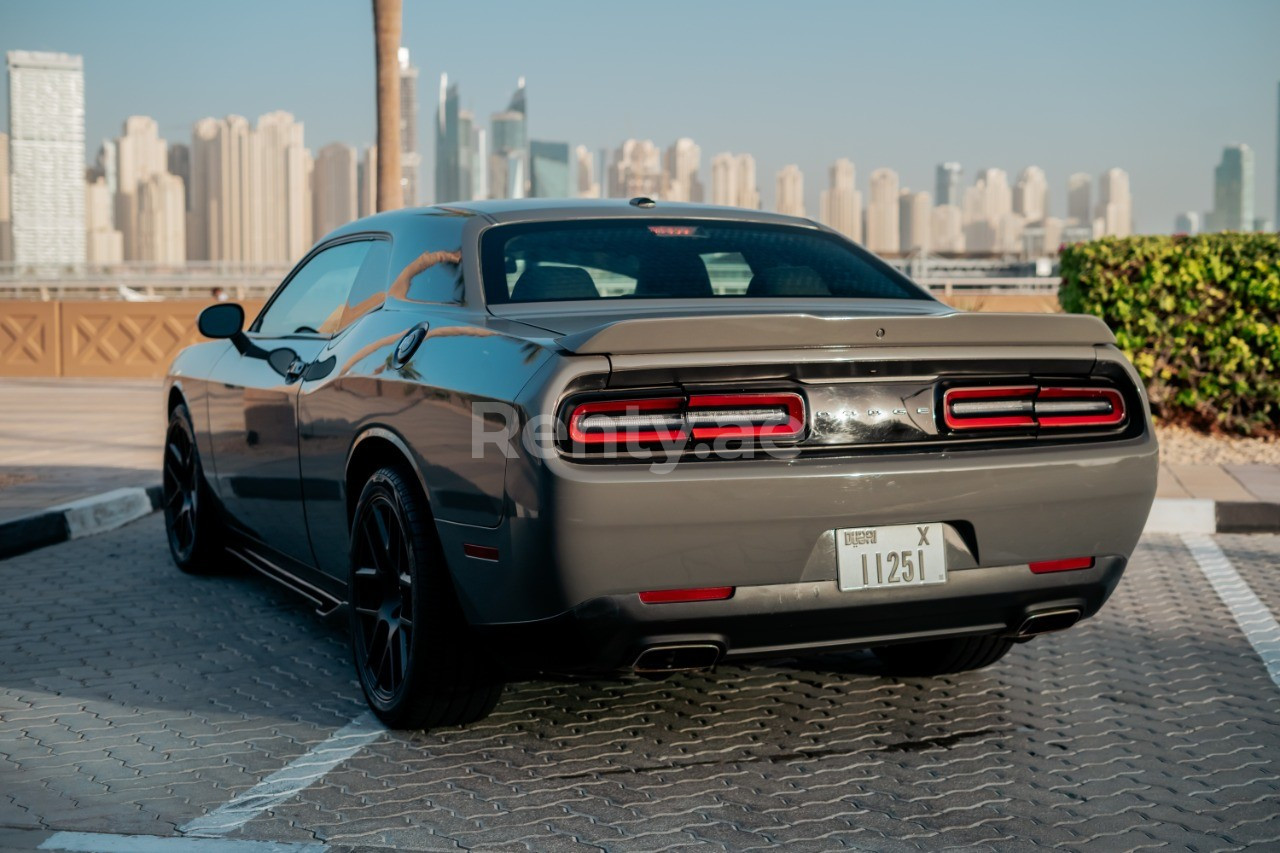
601,437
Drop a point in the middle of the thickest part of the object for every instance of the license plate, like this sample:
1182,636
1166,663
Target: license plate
892,556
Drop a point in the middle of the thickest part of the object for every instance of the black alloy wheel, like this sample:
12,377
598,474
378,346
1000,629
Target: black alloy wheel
418,662
190,518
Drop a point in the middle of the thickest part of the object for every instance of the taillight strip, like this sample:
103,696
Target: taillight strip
992,396
776,416
1001,407
1087,413
614,421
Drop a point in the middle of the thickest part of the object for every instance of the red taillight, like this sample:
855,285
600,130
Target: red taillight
622,421
775,416
669,596
1061,407
1071,564
1026,406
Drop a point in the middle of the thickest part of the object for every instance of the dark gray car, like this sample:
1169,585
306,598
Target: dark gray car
598,437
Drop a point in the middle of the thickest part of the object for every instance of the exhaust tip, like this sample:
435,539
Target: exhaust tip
1048,621
677,658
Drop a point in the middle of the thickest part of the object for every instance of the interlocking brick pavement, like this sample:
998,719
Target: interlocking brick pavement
135,698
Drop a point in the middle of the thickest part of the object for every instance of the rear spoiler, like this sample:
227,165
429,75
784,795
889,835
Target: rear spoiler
796,331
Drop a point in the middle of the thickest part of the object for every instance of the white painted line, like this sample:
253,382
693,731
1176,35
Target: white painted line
104,842
104,512
1253,617
1182,515
289,781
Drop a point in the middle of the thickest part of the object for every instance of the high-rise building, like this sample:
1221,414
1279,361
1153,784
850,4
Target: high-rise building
882,213
225,224
636,170
180,165
1263,224
6,221
790,195
840,205
1031,195
946,229
733,181
410,158
1080,198
1187,222
585,185
508,156
988,206
450,144
284,187
104,244
106,165
949,184
915,225
1233,190
161,220
140,153
549,169
334,200
46,157
367,183
1115,204
680,173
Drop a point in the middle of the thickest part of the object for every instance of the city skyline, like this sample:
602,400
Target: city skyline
810,105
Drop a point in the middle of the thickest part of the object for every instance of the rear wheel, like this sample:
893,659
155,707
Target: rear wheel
190,516
417,662
941,657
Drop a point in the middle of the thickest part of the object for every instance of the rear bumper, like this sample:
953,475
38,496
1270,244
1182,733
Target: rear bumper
609,633
575,535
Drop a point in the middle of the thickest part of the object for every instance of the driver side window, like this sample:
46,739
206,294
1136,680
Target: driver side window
314,299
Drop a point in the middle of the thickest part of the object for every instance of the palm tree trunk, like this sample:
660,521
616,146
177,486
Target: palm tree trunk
386,33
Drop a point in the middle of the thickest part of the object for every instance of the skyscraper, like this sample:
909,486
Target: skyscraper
680,171
1031,195
410,159
549,169
333,188
104,244
1080,198
636,170
988,204
733,181
840,205
948,187
6,221
140,153
882,212
225,224
790,195
946,231
1115,204
284,191
915,211
180,165
367,182
509,148
1233,191
1187,222
449,144
161,220
585,185
46,149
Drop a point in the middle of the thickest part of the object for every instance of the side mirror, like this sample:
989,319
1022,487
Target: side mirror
224,320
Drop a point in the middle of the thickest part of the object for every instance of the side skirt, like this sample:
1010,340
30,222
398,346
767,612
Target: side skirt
324,602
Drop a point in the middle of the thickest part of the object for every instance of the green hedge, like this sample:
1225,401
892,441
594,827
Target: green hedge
1199,317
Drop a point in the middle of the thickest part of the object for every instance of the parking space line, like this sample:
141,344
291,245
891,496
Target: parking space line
105,842
1253,617
288,781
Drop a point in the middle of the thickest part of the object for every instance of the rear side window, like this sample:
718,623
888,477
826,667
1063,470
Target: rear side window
674,259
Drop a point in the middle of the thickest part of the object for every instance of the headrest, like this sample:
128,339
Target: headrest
540,284
787,281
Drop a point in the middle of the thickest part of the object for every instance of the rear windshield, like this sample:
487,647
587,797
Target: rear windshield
650,259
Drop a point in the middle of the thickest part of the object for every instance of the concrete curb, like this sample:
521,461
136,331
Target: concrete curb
85,517
1195,515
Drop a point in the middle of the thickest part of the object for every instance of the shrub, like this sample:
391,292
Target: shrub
1198,316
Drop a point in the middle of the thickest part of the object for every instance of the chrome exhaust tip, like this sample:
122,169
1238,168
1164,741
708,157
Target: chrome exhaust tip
681,657
1048,621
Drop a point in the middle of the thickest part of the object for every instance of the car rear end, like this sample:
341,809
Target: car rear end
730,482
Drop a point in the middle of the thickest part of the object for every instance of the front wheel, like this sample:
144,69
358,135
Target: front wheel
191,519
418,665
943,657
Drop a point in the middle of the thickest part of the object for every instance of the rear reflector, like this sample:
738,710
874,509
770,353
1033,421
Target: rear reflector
1061,565
480,552
669,596
1027,406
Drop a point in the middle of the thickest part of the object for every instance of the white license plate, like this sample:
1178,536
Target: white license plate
892,556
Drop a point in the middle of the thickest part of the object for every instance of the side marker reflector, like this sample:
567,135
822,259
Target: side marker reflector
480,552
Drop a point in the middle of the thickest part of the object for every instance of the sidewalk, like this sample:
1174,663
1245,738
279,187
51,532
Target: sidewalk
1245,498
66,439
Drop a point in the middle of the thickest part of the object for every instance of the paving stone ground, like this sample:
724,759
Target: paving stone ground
134,698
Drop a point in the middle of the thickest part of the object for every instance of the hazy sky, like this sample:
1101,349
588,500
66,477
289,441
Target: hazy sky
1156,88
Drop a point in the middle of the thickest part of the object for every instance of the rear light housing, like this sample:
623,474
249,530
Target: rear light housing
673,422
1032,407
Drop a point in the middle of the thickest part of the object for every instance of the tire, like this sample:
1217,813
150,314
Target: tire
413,651
192,522
942,657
